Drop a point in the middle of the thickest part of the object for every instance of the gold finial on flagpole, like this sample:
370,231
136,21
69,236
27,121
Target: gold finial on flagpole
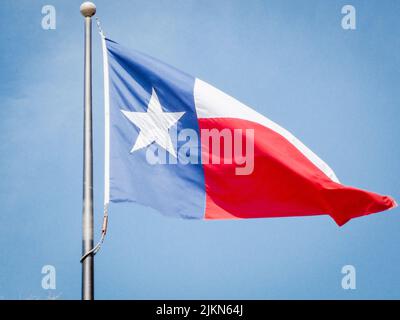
88,9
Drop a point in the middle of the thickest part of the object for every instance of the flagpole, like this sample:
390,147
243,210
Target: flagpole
88,10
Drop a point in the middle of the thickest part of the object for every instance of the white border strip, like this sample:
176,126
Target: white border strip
106,123
211,102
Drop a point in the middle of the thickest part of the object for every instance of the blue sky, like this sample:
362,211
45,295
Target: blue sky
336,90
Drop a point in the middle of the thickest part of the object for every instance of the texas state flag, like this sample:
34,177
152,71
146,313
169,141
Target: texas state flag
181,146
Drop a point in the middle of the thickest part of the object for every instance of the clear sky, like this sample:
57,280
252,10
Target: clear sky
337,90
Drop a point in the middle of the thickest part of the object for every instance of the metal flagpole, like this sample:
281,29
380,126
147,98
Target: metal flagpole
88,10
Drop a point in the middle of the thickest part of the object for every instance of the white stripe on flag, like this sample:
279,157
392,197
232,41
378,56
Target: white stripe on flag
211,102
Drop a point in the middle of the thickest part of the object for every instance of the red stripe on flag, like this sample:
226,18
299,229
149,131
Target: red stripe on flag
283,183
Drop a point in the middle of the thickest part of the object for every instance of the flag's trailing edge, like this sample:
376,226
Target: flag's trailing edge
160,151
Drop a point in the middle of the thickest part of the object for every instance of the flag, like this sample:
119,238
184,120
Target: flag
181,146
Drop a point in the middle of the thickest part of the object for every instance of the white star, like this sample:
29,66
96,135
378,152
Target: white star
154,125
